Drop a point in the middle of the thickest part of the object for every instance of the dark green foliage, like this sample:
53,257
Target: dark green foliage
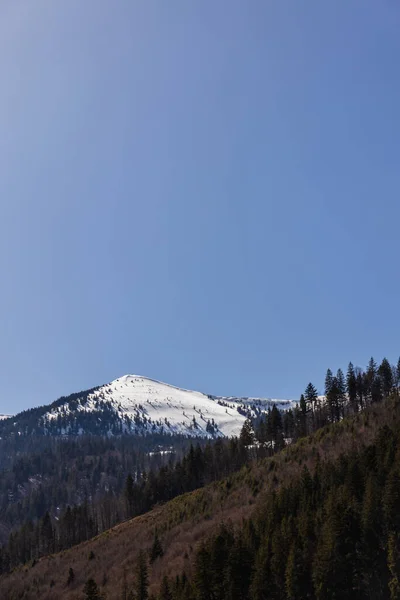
170,477
247,433
91,590
333,533
165,590
141,578
351,386
311,396
156,550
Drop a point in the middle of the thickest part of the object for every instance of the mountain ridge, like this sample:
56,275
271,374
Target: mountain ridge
134,404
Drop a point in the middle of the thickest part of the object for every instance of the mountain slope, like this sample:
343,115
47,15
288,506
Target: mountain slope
139,405
189,519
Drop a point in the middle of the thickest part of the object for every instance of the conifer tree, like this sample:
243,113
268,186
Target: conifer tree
156,550
261,585
341,394
202,579
398,374
329,393
370,377
165,590
351,386
91,590
386,377
141,578
311,398
302,416
247,433
296,584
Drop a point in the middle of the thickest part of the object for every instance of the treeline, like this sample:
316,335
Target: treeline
343,395
141,492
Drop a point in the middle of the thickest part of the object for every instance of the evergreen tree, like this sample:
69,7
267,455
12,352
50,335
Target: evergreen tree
330,393
370,378
297,584
156,550
302,416
386,377
247,433
202,579
398,374
351,386
311,398
91,590
261,587
165,590
341,393
141,578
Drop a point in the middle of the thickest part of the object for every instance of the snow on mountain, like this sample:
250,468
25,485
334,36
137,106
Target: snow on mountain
142,405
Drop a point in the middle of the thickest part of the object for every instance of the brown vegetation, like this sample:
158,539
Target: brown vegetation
186,520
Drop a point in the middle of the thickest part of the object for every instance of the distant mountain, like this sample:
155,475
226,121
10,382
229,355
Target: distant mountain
138,405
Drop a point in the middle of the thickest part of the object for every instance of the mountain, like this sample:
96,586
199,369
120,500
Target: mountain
140,405
330,500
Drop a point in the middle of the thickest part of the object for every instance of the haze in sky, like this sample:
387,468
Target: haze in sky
206,193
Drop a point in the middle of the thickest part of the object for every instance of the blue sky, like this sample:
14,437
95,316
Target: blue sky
206,193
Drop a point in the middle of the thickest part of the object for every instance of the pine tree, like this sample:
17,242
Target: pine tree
329,393
202,579
341,393
261,587
156,550
247,433
71,576
369,379
311,398
386,377
165,591
302,416
296,583
238,571
398,374
141,577
91,590
360,387
351,386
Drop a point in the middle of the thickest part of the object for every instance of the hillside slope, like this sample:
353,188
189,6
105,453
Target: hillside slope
139,405
189,519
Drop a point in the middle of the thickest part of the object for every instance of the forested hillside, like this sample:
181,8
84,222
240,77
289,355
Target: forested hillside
316,519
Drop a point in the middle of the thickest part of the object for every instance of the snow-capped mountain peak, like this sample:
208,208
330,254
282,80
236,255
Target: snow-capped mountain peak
140,405
145,405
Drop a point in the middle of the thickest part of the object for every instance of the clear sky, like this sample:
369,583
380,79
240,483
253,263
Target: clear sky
206,193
